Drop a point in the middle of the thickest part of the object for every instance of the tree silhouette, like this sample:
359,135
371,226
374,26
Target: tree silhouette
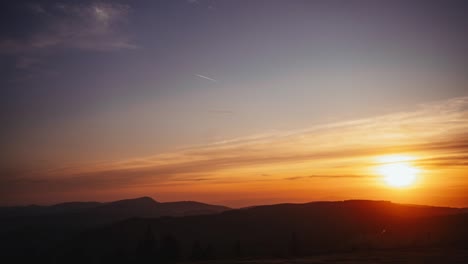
169,250
197,251
294,249
201,253
237,249
146,249
209,251
117,256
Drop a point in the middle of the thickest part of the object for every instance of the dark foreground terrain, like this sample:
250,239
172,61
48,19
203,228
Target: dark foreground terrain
415,256
137,231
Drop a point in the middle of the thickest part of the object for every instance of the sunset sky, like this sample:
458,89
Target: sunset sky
233,102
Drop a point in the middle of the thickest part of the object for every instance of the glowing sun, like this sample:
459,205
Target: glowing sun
397,171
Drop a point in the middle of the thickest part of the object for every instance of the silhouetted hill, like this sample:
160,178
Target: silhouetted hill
269,231
138,207
185,208
147,207
74,216
285,230
34,210
72,207
40,228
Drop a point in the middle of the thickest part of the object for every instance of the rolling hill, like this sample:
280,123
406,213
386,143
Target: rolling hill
279,231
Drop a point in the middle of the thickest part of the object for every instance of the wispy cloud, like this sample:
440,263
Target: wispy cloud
435,132
221,111
205,77
94,26
324,176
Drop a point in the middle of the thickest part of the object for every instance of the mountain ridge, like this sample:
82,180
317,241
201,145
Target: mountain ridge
124,206
278,230
289,230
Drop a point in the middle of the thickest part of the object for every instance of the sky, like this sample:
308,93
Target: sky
232,102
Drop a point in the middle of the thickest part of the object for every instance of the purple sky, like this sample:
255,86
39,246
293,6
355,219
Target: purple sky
104,81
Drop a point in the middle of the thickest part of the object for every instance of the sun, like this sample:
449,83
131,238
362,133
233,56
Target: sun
397,171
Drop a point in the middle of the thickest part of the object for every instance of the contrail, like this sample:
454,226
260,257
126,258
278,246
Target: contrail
204,77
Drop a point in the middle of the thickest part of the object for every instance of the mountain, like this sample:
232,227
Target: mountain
138,207
75,216
147,207
107,234
283,230
34,210
78,215
43,227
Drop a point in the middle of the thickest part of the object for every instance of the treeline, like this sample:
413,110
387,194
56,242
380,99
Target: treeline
167,249
279,231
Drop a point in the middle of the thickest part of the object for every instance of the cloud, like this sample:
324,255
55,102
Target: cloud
435,132
36,8
205,77
25,62
326,177
221,111
93,26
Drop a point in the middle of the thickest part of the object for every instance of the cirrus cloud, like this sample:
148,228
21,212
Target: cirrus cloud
94,26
